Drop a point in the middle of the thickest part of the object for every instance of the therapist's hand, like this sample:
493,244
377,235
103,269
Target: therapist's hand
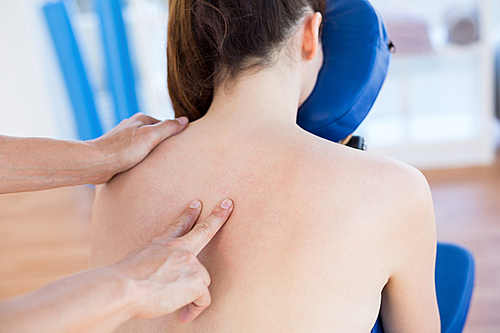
156,279
131,141
32,164
166,271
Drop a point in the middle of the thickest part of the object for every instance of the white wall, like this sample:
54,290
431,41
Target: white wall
26,106
435,109
33,96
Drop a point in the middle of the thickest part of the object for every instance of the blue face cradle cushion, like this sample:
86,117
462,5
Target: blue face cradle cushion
356,61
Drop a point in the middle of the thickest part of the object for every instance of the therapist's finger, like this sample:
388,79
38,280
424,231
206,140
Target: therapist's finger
204,231
193,310
181,225
168,128
145,119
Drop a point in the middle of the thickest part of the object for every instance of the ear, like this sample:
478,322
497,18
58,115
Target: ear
310,42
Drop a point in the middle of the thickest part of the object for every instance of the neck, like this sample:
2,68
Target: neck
267,97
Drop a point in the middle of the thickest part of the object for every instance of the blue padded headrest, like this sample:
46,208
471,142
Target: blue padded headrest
356,61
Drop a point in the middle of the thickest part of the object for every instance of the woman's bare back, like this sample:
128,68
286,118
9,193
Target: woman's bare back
316,233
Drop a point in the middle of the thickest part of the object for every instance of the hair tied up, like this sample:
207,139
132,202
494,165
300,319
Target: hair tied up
210,42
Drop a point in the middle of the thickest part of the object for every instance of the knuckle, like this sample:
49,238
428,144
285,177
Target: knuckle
178,223
170,125
190,258
182,258
188,214
159,239
179,243
149,137
219,213
182,221
137,116
198,275
125,123
204,228
151,134
199,281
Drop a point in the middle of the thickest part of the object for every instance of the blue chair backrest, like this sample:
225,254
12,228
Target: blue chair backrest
454,285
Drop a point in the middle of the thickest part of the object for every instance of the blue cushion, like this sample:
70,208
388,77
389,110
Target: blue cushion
356,61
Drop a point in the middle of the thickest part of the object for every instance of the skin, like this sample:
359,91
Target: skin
32,164
324,237
158,278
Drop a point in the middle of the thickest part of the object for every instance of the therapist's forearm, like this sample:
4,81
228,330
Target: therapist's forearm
93,301
30,164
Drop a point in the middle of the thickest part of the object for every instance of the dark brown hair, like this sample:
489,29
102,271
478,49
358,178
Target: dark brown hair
210,41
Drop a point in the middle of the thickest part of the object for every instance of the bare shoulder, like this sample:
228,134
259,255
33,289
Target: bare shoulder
400,188
388,198
376,174
401,196
406,232
406,197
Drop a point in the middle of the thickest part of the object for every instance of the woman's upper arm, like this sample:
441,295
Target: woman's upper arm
409,298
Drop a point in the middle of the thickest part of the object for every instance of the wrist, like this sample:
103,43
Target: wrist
128,292
105,160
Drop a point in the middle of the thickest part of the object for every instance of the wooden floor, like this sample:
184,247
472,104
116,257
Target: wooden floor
43,236
46,235
467,206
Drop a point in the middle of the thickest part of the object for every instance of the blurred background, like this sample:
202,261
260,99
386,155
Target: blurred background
438,111
32,82
437,108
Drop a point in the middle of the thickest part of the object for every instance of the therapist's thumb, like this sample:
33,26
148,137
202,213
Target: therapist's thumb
168,128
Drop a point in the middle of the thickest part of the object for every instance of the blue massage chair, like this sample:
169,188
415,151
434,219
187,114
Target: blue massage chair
357,56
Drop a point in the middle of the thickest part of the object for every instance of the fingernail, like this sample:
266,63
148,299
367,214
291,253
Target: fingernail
182,120
226,204
195,204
